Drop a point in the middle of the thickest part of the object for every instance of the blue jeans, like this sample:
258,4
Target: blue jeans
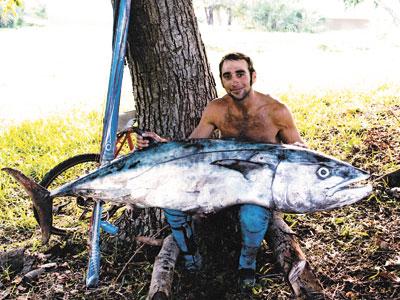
254,222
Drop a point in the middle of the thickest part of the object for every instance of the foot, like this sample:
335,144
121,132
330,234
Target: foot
193,263
247,279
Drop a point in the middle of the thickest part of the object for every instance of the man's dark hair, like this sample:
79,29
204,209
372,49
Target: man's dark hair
236,56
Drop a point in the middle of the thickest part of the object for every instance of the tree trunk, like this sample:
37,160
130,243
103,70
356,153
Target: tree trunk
163,270
171,78
172,81
209,14
229,11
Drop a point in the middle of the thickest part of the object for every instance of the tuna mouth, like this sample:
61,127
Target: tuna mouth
354,184
348,192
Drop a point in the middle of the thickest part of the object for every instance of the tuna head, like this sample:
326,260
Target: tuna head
307,181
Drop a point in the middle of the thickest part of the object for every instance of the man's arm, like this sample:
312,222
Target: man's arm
203,130
205,127
288,132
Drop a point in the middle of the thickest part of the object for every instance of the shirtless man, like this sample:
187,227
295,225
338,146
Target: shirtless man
245,114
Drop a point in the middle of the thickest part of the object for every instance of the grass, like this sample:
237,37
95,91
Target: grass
359,127
34,147
338,123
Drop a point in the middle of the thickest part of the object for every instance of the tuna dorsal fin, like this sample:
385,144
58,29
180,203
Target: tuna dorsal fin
242,166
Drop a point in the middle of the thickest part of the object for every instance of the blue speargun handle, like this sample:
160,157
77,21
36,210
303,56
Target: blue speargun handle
110,124
92,276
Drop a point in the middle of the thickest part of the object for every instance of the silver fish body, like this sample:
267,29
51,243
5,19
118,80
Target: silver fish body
204,176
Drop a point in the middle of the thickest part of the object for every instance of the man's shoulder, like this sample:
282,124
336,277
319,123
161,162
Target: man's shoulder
218,103
271,101
214,109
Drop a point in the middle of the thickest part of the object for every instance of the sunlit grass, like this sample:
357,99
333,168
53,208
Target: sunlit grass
337,123
34,147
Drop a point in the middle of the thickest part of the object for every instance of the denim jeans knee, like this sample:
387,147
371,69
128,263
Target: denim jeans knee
176,218
182,230
254,220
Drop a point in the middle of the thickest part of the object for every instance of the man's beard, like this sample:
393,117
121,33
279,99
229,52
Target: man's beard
241,98
245,95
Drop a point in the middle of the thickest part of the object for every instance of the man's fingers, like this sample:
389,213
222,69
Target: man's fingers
154,136
142,142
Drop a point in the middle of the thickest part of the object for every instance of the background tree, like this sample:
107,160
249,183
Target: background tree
171,77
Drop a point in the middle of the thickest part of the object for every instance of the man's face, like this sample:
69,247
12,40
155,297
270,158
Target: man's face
236,78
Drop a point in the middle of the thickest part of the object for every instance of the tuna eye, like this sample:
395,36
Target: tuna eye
323,172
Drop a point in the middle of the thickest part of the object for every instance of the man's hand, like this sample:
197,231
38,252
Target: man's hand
142,142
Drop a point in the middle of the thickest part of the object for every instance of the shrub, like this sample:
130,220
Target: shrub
284,16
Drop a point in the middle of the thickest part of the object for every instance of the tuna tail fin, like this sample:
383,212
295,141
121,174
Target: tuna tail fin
41,199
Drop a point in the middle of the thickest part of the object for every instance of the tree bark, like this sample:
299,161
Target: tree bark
163,270
172,81
292,260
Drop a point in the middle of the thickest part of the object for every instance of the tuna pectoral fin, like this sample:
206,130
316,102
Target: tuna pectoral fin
41,199
242,166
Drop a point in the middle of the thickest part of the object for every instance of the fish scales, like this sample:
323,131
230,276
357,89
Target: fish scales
192,173
204,176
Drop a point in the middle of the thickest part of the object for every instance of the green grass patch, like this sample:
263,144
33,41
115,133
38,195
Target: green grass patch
34,147
342,124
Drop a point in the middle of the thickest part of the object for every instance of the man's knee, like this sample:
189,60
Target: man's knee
254,218
176,218
182,230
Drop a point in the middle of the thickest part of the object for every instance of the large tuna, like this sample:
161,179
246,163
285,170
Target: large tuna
204,176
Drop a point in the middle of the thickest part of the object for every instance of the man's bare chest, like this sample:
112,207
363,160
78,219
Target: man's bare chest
256,127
